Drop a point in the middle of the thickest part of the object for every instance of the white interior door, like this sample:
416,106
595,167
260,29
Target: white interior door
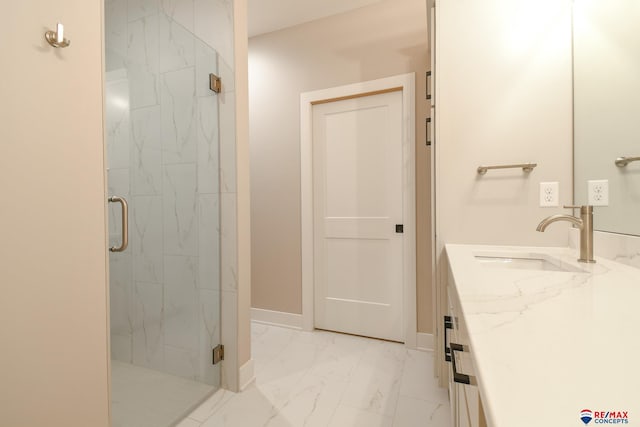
358,201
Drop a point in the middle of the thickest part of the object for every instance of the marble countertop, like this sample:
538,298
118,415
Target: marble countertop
548,344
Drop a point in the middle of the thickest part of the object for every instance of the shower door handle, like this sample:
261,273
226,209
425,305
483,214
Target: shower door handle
125,223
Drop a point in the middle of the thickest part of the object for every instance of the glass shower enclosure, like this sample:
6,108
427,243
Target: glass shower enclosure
162,137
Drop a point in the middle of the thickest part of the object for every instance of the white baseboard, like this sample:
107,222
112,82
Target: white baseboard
425,341
246,375
277,318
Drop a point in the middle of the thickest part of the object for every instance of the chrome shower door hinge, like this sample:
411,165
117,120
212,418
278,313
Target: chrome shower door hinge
218,354
215,83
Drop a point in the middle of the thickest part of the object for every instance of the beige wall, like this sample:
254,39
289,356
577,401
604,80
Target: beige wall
53,308
242,170
235,305
372,42
502,98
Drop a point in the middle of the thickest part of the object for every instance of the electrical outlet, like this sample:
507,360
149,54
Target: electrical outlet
598,191
549,194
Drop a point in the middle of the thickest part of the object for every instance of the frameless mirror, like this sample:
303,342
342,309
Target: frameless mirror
606,55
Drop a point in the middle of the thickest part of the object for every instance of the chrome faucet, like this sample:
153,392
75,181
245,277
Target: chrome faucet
584,223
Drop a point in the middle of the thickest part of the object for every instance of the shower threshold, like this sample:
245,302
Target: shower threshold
142,397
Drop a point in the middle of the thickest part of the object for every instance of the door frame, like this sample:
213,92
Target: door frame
307,99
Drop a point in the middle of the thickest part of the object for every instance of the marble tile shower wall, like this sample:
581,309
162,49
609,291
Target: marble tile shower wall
171,153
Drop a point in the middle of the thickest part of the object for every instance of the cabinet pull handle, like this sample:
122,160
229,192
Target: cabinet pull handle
428,81
457,376
427,127
448,324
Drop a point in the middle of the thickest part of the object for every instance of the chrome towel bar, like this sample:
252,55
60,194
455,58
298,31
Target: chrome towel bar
526,167
624,161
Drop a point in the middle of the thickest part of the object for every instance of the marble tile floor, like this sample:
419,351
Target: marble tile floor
143,397
327,379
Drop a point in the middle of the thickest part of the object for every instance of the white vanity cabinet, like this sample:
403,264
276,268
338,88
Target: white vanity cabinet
510,321
466,406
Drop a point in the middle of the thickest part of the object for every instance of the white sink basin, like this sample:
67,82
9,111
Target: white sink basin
524,261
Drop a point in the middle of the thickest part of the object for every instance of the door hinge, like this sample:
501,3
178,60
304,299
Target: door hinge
215,83
218,354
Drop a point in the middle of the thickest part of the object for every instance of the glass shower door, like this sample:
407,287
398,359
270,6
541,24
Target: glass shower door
162,150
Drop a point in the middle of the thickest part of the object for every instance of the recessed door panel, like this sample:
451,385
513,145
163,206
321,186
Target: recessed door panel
358,196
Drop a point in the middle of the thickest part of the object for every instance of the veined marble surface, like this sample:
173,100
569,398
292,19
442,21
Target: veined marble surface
548,344
325,379
622,248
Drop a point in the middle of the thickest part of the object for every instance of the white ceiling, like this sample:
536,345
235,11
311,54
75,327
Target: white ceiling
270,15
